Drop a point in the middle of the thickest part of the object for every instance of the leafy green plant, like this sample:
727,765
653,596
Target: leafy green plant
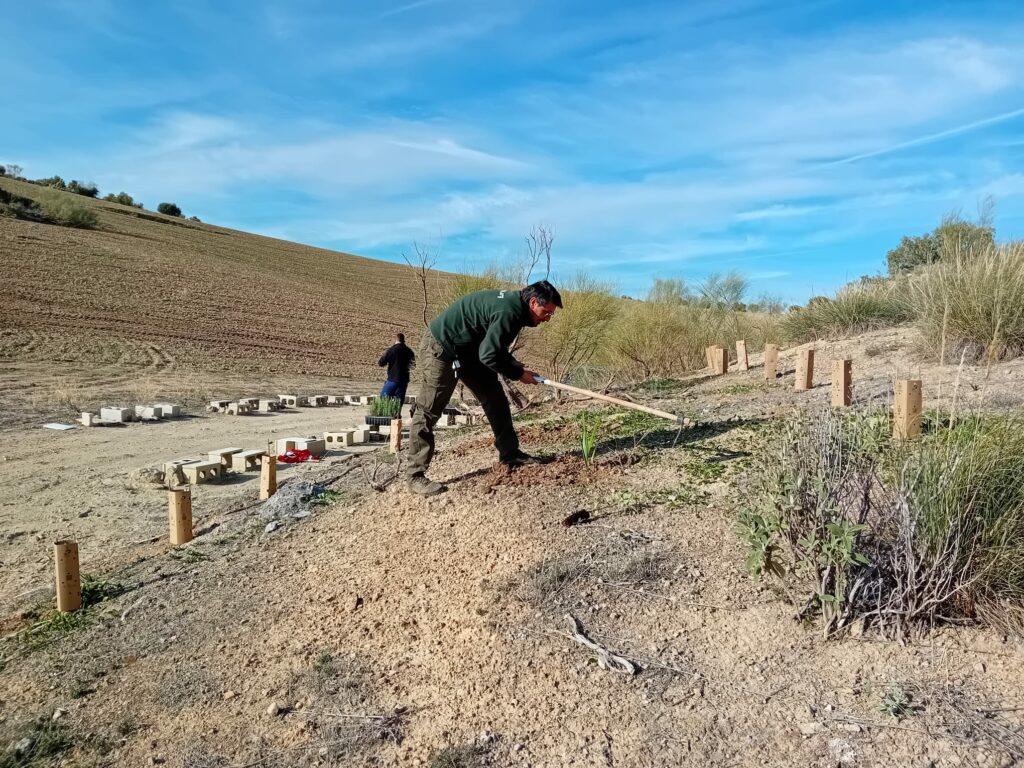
896,702
386,406
590,429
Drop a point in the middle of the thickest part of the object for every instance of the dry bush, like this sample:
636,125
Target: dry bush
578,331
972,303
858,307
903,535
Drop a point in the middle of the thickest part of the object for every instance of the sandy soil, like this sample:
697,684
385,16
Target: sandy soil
386,629
92,485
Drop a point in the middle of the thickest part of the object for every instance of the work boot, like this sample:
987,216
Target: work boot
519,459
421,485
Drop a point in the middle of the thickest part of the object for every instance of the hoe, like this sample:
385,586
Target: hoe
622,403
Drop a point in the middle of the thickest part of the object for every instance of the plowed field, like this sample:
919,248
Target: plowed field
148,305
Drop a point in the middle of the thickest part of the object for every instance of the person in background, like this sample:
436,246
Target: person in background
399,359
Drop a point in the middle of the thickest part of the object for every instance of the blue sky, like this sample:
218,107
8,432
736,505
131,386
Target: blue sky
795,142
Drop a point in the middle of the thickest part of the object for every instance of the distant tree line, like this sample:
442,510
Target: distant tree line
88,189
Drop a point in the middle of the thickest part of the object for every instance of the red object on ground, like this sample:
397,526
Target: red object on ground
296,456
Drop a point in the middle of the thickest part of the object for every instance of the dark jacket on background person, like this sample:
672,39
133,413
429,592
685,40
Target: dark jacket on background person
399,359
481,326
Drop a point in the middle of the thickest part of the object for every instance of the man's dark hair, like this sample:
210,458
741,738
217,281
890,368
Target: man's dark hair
544,292
400,337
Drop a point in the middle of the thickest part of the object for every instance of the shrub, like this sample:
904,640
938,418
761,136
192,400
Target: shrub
168,209
56,182
901,535
62,209
972,303
123,198
79,188
953,236
858,307
577,332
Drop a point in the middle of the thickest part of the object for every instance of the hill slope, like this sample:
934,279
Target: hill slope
153,305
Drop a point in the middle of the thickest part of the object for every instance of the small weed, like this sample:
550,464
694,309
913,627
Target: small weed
634,422
331,496
80,688
189,555
51,628
704,470
46,740
896,702
551,578
95,590
738,389
324,665
128,726
678,498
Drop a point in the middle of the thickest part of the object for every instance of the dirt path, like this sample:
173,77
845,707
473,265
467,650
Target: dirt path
85,483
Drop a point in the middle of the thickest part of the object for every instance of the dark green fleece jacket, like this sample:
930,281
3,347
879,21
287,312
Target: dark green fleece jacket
481,325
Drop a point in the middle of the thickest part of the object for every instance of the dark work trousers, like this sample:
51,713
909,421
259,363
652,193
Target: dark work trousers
437,381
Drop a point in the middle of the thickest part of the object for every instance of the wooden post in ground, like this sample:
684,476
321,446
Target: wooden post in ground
804,370
721,360
396,435
268,477
742,363
69,580
842,384
906,423
709,352
179,514
771,361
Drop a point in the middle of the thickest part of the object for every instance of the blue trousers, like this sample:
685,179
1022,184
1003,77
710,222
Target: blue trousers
394,389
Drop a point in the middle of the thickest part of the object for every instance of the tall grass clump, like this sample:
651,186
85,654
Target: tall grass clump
858,307
899,535
971,303
62,208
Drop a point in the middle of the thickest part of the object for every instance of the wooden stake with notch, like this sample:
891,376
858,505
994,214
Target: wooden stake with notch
906,411
842,384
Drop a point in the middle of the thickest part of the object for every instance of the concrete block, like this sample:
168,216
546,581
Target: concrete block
89,419
269,406
336,400
315,445
238,409
463,419
353,400
110,413
318,401
247,461
337,440
252,402
170,410
361,435
223,455
289,401
219,405
169,466
148,412
410,399
203,471
287,444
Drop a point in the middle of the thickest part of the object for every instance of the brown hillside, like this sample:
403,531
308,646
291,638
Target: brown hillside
154,305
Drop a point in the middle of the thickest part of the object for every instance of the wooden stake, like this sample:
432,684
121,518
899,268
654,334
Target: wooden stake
771,361
396,435
805,370
906,423
179,514
69,580
721,360
842,384
709,352
268,477
742,363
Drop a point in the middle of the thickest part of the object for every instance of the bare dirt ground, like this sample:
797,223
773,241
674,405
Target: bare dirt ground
386,629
